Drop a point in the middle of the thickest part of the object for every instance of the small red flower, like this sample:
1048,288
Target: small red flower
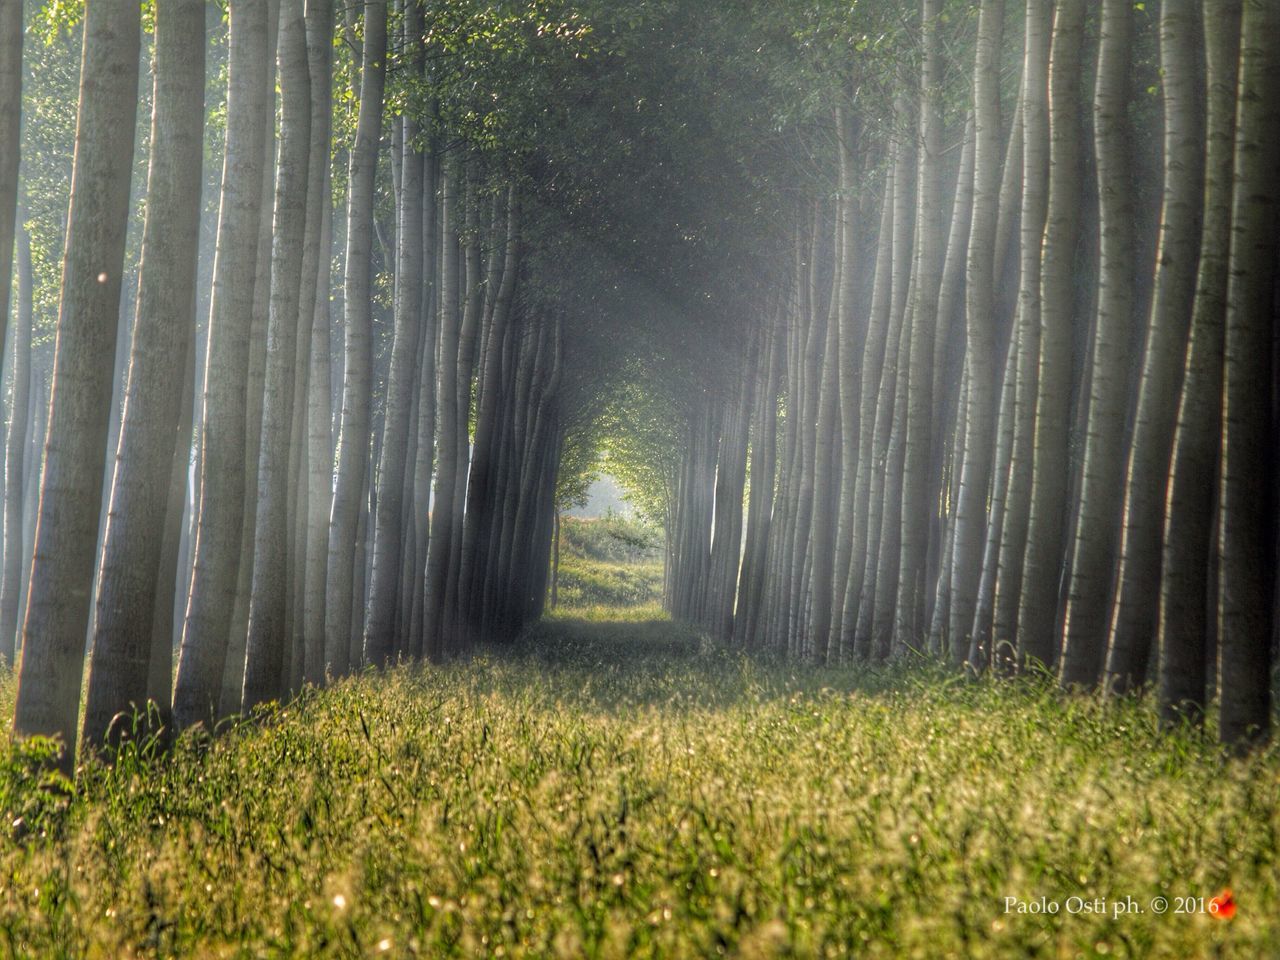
1223,906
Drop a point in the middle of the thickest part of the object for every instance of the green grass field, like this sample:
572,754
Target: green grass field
614,788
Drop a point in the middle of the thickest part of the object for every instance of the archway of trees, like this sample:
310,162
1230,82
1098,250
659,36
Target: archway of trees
943,329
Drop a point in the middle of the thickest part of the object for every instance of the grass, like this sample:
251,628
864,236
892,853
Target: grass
609,562
587,583
618,788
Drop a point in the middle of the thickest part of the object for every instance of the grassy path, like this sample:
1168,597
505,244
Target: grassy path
614,789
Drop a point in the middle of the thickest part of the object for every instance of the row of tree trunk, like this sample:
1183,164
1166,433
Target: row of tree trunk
309,557
972,433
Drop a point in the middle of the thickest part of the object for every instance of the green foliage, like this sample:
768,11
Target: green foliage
642,427
579,468
621,789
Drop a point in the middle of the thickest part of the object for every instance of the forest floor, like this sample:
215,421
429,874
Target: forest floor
615,787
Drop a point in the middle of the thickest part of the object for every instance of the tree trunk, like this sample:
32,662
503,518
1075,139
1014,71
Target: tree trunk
1247,470
1015,513
166,624
60,591
1133,616
873,358
447,413
354,433
948,400
425,452
311,418
11,34
1183,623
751,583
931,237
826,467
555,563
978,421
480,507
982,644
237,636
15,458
266,664
164,328
319,455
388,540
468,342
1098,519
203,653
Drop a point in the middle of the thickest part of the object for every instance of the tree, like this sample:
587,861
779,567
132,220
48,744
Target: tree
353,437
1098,513
60,588
931,238
203,652
980,333
1183,623
127,599
10,126
388,537
318,416
1003,565
15,457
1247,470
1038,607
266,668
1133,614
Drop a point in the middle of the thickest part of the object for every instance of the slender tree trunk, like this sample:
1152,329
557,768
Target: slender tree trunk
480,508
1133,616
38,429
11,34
203,653
266,665
164,328
320,466
1015,515
447,413
982,645
931,237
826,467
1183,623
61,583
751,583
852,343
425,455
873,358
555,563
166,623
468,342
1247,471
237,637
15,458
353,436
868,640
948,399
311,420
318,26
978,421
1098,517
388,540
889,552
